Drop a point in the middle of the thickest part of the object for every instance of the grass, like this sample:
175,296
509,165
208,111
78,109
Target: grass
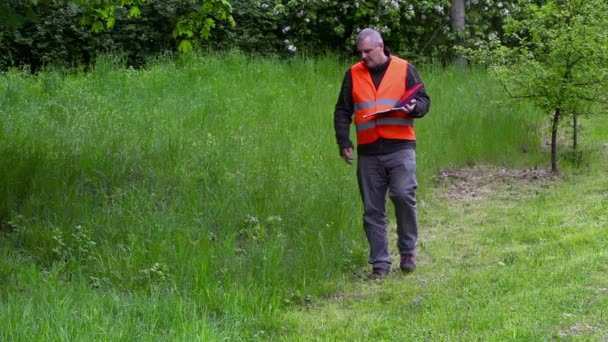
527,262
203,199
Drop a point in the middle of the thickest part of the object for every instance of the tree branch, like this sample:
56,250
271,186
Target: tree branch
603,101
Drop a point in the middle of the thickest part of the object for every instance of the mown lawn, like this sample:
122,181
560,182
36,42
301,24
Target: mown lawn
505,255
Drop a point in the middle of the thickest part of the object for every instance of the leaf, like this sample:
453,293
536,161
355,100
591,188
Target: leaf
135,11
97,26
185,46
111,21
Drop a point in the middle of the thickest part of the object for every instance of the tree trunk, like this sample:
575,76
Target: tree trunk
554,140
574,130
458,22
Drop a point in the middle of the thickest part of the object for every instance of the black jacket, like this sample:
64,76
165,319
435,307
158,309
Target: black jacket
345,108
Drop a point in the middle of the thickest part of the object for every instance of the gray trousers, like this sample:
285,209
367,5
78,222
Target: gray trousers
395,172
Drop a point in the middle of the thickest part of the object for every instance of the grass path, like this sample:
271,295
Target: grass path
504,255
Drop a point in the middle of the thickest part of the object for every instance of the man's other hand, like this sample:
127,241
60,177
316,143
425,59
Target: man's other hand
347,155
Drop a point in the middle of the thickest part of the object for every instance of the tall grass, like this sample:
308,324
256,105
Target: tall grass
472,121
196,198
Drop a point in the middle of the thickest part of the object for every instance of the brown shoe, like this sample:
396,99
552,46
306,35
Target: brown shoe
378,273
408,262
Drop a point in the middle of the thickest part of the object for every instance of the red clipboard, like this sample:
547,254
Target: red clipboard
404,100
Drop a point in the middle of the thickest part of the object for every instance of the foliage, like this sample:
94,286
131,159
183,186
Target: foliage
52,33
415,29
70,32
200,18
485,20
555,56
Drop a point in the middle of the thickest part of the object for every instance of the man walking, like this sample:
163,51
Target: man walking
386,145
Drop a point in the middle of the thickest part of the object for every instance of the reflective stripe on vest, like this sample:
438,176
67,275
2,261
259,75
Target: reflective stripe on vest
380,102
368,99
385,121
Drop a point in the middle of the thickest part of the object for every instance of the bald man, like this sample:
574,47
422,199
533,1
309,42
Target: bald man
385,95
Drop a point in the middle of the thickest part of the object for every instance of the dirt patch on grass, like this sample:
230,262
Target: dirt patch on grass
578,329
475,183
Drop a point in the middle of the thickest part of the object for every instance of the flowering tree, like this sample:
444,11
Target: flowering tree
409,27
412,28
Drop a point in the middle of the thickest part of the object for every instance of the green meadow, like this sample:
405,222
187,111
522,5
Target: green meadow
203,199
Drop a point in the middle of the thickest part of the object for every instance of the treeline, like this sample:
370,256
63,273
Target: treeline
53,32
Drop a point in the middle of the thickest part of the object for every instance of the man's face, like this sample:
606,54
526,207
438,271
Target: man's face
372,54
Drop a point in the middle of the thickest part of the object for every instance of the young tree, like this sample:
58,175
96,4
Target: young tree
555,55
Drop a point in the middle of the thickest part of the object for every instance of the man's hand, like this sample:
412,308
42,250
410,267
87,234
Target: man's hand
347,155
408,108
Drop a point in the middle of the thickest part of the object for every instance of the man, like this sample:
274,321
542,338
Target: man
386,145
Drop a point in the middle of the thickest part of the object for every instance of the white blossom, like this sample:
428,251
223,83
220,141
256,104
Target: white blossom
410,9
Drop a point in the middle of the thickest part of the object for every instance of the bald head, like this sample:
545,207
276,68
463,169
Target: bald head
371,48
371,35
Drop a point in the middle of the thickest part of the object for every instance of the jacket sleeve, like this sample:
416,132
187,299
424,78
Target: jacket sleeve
343,113
423,101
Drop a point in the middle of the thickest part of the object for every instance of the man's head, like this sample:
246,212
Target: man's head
371,47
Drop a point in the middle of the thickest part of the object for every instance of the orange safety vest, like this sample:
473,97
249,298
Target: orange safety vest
368,99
